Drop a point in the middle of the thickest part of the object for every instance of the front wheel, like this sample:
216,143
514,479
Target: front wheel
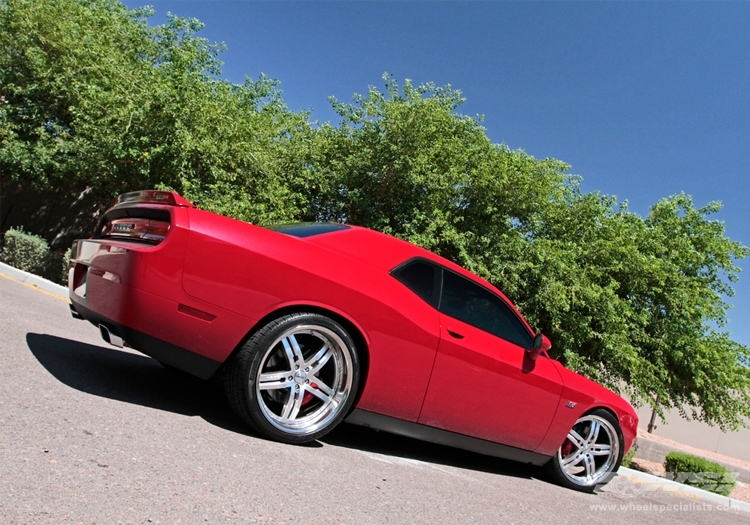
591,452
296,378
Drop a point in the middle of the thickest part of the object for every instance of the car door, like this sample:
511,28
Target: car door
484,384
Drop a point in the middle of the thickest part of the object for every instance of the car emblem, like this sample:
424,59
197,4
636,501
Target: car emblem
570,404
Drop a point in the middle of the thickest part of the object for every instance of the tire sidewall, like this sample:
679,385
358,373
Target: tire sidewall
556,469
251,358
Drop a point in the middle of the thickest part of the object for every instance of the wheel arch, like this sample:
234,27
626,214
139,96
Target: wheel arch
601,474
618,427
356,333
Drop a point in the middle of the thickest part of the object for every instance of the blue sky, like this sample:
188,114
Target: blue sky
643,99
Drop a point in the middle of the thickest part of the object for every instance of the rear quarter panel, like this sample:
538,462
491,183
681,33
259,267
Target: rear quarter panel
254,272
140,286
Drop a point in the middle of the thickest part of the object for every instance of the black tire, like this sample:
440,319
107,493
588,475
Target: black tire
591,453
295,379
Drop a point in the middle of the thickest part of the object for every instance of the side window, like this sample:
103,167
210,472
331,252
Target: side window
422,278
474,305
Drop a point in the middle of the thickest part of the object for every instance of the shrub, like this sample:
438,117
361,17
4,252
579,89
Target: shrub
25,251
65,264
699,472
31,253
628,457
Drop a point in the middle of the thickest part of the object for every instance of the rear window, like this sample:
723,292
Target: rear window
308,229
135,224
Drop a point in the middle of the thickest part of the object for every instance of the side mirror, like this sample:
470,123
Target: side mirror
541,344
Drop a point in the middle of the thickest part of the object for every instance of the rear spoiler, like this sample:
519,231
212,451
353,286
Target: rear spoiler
170,198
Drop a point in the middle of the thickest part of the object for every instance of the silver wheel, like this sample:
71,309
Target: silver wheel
304,379
590,452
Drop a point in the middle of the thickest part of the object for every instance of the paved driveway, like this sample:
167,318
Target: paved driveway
93,434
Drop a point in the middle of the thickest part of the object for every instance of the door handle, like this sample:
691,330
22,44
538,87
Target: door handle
454,334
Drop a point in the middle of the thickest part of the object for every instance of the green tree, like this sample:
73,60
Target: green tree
633,303
92,96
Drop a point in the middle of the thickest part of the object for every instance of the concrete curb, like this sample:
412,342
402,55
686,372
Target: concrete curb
655,451
684,490
35,280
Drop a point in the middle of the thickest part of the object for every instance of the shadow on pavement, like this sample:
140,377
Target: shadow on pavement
141,380
368,440
132,378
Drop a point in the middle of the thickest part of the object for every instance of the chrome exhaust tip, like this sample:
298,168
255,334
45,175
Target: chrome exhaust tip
73,312
111,338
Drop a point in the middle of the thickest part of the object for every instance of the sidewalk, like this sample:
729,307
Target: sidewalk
650,483
33,280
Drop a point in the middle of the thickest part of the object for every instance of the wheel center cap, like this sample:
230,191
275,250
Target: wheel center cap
300,376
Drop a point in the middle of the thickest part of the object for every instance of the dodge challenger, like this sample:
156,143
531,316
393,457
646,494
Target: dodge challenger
312,324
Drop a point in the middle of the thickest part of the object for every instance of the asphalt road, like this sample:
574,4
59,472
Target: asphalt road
94,434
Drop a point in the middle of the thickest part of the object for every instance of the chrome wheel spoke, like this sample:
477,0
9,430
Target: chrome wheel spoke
275,385
576,438
572,460
293,404
590,466
288,352
274,377
601,450
293,351
593,433
319,360
321,390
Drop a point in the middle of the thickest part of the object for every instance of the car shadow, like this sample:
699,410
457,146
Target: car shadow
386,444
132,378
141,380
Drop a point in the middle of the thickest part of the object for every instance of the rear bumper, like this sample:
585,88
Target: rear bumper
135,291
161,350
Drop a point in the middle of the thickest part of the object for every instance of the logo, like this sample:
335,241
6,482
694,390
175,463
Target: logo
626,488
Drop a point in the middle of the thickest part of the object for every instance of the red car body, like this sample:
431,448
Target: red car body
188,287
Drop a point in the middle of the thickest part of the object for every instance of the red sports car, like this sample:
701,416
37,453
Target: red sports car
317,323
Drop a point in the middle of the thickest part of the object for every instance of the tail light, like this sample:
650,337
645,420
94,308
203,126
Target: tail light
131,228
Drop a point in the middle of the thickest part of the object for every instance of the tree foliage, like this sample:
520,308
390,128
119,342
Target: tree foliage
634,303
94,95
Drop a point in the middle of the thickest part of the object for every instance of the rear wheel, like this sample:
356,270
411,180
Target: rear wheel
591,452
295,379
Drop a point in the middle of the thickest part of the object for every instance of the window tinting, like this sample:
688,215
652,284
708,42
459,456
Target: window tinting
420,277
479,307
308,229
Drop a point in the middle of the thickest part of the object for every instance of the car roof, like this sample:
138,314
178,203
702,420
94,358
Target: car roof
382,251
368,246
385,252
